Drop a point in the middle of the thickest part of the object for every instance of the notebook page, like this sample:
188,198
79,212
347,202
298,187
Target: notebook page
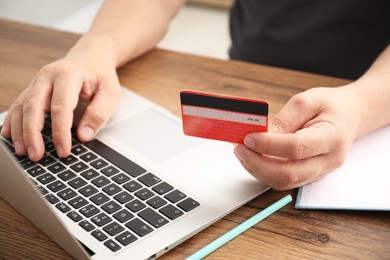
362,183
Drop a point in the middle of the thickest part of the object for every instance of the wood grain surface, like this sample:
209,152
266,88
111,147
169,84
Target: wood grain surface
159,75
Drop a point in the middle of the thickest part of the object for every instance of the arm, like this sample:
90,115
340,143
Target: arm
312,134
129,28
121,31
374,88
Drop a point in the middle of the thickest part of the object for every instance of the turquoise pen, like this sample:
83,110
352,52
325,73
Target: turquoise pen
240,228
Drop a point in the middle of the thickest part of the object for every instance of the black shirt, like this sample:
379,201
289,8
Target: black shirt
333,37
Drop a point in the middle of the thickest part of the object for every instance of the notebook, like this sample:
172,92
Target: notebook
136,191
361,183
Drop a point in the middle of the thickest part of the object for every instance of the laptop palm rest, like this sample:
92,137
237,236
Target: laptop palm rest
152,134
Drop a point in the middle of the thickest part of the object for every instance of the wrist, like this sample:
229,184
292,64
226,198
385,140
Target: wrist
96,47
371,104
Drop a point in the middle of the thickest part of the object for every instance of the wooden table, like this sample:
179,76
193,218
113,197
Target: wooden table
159,75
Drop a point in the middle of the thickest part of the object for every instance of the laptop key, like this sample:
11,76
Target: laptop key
121,178
99,198
51,198
42,190
171,211
66,175
78,150
132,186
100,181
78,202
49,146
98,164
47,160
113,228
75,142
77,183
112,245
88,226
90,174
139,227
188,204
27,163
73,215
109,171
88,157
63,207
153,218
112,189
111,207
36,171
79,167
156,202
126,238
144,194
123,197
135,205
149,179
88,190
99,235
162,188
56,186
67,194
101,219
175,196
89,211
123,215
56,168
46,178
69,160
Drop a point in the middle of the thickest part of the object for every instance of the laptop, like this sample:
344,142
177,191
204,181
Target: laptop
137,190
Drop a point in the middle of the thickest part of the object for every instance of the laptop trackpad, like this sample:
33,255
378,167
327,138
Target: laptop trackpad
151,134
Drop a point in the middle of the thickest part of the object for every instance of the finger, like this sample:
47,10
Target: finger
13,127
34,109
98,112
317,139
18,103
294,115
6,127
283,174
16,120
63,102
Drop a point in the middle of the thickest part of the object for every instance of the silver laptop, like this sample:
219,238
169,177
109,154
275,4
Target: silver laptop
136,191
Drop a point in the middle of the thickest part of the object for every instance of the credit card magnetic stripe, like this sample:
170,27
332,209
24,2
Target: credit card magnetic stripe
242,105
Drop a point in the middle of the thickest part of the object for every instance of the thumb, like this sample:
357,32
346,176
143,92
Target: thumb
293,116
98,112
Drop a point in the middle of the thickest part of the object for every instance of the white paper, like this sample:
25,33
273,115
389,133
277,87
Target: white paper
362,183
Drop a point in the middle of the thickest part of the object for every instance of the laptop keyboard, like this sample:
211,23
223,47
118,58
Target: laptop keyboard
114,199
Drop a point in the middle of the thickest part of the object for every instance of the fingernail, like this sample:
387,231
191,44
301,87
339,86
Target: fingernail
87,132
249,142
17,146
30,152
59,150
239,152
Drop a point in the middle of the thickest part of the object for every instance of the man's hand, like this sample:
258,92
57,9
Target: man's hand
307,139
56,89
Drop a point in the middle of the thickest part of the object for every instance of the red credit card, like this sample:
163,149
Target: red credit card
221,117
